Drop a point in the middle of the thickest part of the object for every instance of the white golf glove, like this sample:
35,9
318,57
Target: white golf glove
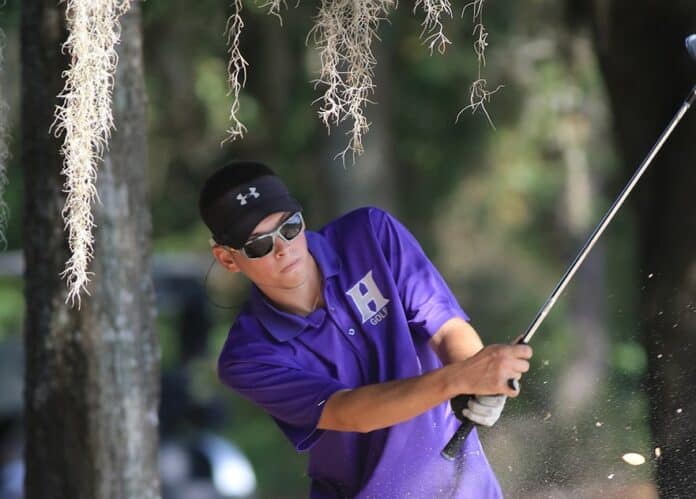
485,409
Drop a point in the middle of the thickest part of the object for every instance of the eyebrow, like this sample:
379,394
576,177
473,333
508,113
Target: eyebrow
282,220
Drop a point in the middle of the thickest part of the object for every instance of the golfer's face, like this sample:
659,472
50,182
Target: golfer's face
285,266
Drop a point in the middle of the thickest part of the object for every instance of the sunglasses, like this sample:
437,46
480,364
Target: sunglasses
263,244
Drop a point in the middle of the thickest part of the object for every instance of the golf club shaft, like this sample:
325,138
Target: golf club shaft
608,217
454,445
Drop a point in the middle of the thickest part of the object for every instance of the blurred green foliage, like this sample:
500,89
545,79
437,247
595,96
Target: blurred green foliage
11,307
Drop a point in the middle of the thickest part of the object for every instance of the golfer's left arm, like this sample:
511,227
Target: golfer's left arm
457,340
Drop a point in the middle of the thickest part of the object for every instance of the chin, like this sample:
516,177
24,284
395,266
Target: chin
294,280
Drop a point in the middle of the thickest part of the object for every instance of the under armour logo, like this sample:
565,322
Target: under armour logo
243,199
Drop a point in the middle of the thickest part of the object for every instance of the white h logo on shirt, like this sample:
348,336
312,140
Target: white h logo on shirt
243,199
372,296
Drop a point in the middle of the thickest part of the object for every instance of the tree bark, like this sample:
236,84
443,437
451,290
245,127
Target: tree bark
91,374
648,74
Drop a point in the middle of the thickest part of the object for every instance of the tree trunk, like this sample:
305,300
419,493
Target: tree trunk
579,386
91,374
648,74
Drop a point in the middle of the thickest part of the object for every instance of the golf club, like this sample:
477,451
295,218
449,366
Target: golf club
453,447
691,45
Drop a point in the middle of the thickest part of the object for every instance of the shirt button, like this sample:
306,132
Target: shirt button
351,331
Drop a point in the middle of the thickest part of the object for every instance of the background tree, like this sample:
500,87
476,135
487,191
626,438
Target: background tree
4,150
91,374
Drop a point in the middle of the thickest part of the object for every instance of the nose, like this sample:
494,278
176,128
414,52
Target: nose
281,246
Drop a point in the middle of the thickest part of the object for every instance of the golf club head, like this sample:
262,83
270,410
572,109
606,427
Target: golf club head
691,46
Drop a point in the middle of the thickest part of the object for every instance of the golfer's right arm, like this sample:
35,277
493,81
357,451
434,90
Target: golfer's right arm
373,407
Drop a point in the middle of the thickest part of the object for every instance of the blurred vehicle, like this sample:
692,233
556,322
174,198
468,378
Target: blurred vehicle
204,467
195,461
11,431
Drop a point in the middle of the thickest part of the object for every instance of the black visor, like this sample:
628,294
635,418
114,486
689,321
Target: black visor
235,215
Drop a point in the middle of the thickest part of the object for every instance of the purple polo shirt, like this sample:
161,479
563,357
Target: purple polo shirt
384,300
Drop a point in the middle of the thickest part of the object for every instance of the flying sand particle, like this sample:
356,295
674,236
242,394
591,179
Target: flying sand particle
610,476
650,276
679,411
598,424
633,458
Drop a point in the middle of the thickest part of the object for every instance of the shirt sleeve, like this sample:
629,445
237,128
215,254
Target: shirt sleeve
294,397
425,296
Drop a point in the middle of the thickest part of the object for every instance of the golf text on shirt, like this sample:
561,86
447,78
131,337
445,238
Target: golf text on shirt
370,302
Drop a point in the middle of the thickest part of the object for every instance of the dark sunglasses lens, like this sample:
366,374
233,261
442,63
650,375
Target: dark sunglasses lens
292,227
259,247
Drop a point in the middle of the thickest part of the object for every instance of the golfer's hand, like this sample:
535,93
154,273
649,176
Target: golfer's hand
488,372
485,410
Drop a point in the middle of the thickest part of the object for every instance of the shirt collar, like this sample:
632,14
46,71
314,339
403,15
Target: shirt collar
284,326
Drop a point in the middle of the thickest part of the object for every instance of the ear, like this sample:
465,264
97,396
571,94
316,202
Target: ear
226,258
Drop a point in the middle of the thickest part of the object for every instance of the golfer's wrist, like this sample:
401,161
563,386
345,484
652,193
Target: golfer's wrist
454,382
